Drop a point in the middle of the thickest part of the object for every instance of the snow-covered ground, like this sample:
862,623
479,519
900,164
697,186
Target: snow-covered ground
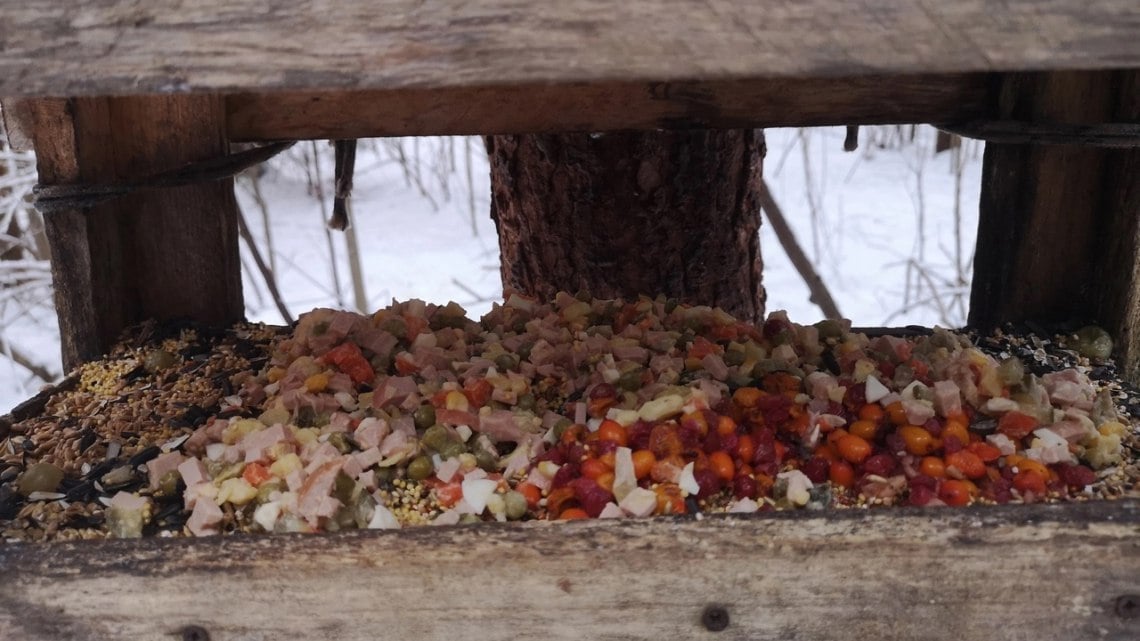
878,223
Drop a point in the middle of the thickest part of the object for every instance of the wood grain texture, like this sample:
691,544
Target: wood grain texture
1057,236
154,254
1019,572
100,47
1118,296
608,106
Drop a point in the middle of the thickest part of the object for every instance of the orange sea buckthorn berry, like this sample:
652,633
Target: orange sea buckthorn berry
918,441
1030,481
531,492
1027,464
592,468
608,459
721,464
872,412
932,466
826,451
745,448
841,473
643,461
605,480
781,451
612,431
957,493
967,463
573,514
864,429
956,429
854,449
896,414
1017,425
747,397
834,436
725,426
988,453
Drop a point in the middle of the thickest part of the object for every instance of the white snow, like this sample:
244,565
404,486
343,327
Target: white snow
859,216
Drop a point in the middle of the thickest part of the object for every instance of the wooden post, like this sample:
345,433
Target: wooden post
156,253
1057,237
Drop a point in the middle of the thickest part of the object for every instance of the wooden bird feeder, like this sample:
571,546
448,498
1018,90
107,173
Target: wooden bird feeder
111,91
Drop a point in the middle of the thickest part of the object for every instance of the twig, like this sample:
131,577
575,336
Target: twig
1120,135
819,293
355,270
270,279
478,298
23,360
35,404
51,198
345,155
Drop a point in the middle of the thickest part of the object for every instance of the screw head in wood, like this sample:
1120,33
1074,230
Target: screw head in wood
1127,606
714,618
194,633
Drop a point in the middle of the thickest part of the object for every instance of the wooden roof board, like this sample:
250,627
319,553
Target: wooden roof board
108,47
1064,571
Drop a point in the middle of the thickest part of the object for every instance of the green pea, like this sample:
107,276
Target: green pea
159,360
168,484
829,328
516,505
420,468
40,477
631,380
526,402
486,460
504,362
341,442
424,416
437,438
1093,342
1011,371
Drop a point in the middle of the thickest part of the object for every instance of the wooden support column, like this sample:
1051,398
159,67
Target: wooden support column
1057,237
165,253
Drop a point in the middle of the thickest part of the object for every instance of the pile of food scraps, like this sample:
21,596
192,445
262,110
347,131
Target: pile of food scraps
579,408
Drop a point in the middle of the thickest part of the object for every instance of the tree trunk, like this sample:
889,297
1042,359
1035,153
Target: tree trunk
623,214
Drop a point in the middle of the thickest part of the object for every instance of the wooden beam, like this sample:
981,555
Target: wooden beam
1057,237
103,47
163,253
733,104
1017,572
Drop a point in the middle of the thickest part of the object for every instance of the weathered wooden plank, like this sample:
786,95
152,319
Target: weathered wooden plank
163,253
733,104
100,47
1018,572
1057,237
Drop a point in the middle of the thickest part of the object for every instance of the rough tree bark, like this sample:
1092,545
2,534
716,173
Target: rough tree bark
623,214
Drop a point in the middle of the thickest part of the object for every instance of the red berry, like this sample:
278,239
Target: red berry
880,464
816,468
744,487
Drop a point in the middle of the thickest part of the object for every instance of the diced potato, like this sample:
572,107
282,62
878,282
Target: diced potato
236,491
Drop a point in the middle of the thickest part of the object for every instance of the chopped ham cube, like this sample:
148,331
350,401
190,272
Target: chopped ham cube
311,503
611,511
393,390
162,465
639,502
368,457
193,471
947,398
371,432
205,519
256,444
